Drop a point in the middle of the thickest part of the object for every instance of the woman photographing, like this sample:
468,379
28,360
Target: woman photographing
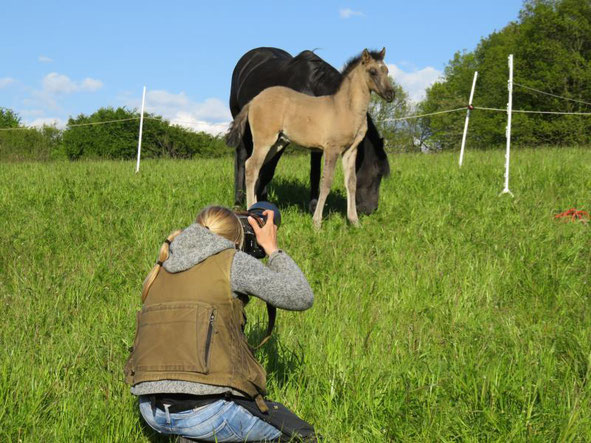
191,365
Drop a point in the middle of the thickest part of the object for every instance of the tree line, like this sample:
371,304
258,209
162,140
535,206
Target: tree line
94,139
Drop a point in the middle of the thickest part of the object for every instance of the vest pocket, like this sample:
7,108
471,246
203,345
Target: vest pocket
175,337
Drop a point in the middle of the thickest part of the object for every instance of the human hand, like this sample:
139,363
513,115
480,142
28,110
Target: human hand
267,235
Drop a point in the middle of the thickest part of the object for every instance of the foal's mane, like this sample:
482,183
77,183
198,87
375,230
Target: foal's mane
354,61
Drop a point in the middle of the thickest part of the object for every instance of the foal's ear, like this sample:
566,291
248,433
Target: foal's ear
365,57
383,53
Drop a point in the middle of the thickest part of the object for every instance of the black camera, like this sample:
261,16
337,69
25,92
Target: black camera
250,245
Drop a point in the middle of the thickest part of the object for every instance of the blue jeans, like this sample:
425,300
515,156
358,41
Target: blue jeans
220,421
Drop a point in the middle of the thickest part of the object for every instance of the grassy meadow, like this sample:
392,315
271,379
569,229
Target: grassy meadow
452,314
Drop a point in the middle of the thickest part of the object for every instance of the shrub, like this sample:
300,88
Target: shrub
31,144
118,140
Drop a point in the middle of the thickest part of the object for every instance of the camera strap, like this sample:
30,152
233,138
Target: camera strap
271,313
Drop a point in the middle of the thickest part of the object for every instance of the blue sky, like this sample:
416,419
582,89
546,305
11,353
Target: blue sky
60,59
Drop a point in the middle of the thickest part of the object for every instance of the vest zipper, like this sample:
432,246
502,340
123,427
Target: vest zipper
208,341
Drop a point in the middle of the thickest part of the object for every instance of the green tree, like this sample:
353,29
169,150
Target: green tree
551,43
9,118
399,135
31,144
92,137
27,144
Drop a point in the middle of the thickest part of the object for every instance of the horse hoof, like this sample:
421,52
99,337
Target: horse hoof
355,223
317,225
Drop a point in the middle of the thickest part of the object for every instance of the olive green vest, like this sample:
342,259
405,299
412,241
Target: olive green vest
191,329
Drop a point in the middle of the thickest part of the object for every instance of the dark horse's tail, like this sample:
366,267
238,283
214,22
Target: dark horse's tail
236,131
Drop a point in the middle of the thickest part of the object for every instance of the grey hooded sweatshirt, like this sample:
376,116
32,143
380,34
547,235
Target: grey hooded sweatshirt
280,283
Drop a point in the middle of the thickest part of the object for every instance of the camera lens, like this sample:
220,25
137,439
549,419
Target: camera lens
259,207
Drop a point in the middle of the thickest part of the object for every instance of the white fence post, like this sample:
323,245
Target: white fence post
139,143
508,133
467,118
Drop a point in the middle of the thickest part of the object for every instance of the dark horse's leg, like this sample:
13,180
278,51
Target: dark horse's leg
266,175
239,159
243,151
315,159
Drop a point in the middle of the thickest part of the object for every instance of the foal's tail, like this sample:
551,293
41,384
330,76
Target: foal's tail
236,131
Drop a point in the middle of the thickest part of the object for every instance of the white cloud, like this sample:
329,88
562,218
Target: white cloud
189,121
169,104
160,98
90,84
44,59
348,13
48,121
212,115
43,105
58,84
55,83
416,81
5,81
55,86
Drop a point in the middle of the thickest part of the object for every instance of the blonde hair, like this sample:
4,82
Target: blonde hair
162,257
219,220
222,221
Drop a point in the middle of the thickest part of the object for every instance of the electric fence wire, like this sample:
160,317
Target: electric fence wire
550,94
408,117
77,124
523,111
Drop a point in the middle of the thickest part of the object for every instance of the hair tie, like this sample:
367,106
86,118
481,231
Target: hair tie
159,263
167,241
206,227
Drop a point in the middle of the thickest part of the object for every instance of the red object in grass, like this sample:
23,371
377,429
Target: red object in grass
574,215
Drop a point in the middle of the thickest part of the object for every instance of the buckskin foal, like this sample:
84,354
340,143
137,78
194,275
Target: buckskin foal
335,124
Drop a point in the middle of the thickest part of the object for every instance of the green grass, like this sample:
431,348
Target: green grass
451,314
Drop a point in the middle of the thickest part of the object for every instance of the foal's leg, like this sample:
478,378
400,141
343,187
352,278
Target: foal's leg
243,151
330,161
253,166
260,153
349,157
